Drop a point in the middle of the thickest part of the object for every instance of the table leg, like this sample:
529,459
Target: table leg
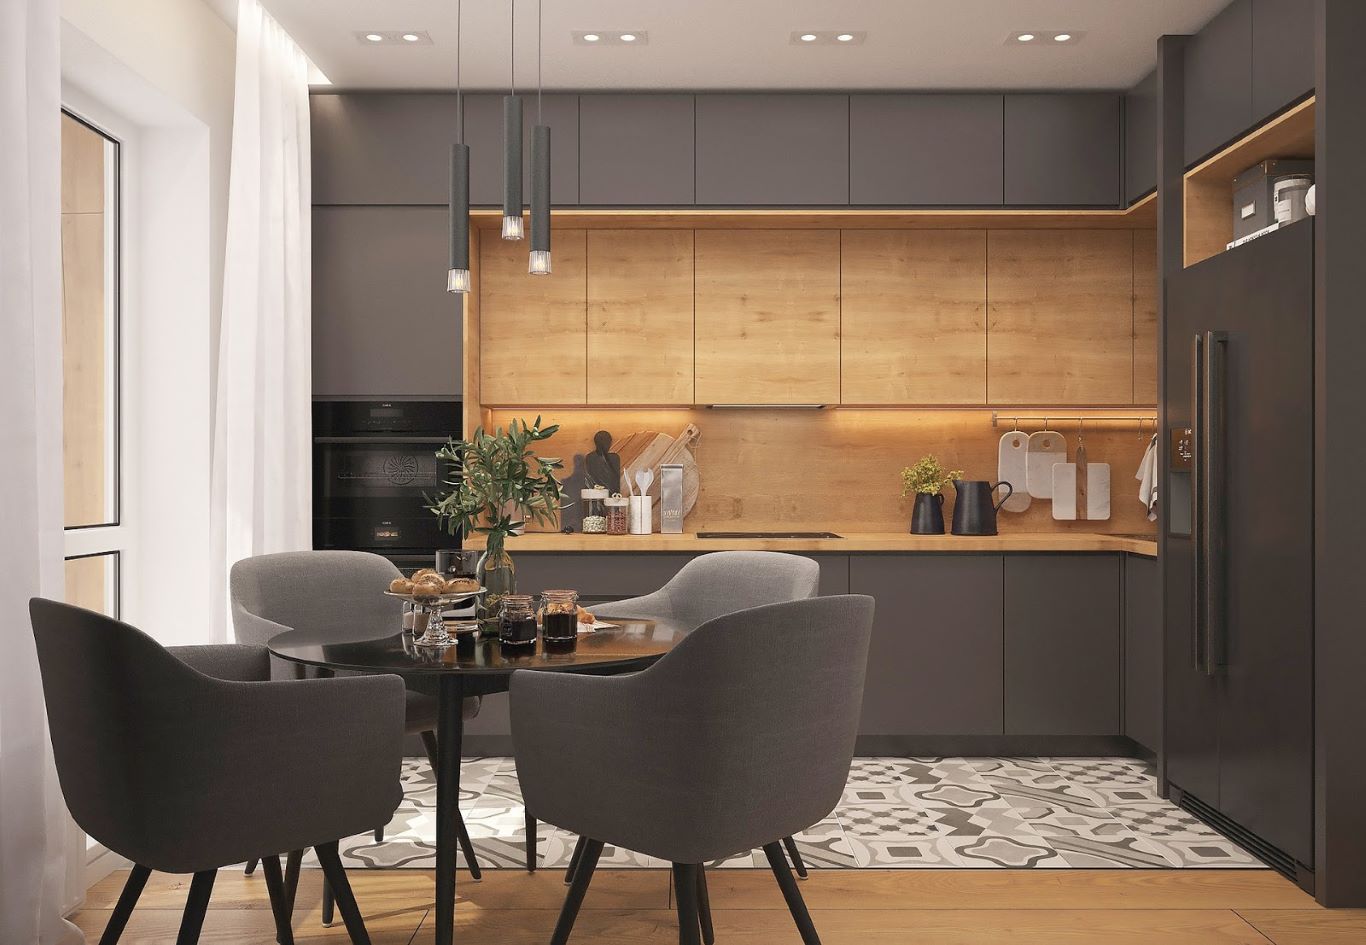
449,730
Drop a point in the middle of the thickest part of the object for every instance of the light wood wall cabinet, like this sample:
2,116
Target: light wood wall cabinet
640,317
914,316
1060,317
768,316
533,330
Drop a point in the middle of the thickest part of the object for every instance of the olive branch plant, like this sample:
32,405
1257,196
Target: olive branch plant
927,477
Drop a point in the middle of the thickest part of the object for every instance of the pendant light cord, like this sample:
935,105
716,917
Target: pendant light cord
538,63
512,63
459,104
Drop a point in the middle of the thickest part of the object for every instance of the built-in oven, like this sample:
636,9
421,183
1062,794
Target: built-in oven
375,471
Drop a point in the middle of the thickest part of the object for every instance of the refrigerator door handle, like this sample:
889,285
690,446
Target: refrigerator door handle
1214,472
1198,653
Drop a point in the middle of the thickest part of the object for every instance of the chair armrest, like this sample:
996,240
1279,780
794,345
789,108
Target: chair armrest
251,628
230,661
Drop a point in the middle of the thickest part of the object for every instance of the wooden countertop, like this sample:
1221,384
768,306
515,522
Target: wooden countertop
851,542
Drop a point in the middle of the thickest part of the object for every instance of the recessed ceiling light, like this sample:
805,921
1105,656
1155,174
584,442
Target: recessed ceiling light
809,37
1026,37
628,37
591,37
411,37
610,37
1062,37
826,38
1036,36
845,37
374,37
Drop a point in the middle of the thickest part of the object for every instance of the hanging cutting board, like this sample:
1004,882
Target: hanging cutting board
1045,449
1097,491
650,450
1064,476
1011,468
1081,491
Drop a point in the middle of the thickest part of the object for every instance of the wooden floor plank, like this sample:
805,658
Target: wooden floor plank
247,927
1309,926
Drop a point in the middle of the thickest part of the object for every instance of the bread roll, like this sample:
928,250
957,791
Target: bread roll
400,585
461,585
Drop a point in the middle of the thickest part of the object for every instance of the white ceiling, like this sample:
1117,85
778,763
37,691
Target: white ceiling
701,44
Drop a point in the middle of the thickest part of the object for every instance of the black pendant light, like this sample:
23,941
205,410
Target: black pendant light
512,146
458,272
539,262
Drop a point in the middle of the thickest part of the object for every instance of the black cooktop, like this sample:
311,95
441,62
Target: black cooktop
768,535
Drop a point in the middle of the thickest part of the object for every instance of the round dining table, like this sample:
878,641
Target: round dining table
474,667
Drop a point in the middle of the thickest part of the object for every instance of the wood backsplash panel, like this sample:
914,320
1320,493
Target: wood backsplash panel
1145,317
840,469
767,316
1060,317
913,307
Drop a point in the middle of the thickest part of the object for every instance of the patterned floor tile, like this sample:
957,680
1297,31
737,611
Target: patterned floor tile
1214,852
1021,851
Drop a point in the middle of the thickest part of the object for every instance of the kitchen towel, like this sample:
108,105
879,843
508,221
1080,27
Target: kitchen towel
1147,479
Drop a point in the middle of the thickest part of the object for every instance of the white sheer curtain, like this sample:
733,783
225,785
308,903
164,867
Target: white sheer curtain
32,815
262,462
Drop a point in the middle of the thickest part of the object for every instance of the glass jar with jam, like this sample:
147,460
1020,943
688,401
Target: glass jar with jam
560,617
517,622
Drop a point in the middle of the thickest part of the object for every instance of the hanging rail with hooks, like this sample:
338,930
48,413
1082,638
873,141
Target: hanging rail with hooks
1048,420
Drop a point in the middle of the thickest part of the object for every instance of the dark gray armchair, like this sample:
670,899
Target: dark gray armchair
339,594
186,761
740,736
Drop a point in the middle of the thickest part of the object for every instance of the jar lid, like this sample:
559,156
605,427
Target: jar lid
516,598
593,494
559,593
616,501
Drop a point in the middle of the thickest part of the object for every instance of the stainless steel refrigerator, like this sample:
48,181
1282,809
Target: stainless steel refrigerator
1238,561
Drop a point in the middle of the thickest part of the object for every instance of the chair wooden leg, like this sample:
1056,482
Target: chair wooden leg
279,899
292,863
795,904
330,861
462,834
201,888
530,842
704,907
795,855
685,892
132,889
573,899
329,903
251,868
574,859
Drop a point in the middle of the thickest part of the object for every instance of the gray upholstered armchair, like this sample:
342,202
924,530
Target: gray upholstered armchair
338,594
740,736
186,761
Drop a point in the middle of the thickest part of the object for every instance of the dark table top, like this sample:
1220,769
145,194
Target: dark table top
630,642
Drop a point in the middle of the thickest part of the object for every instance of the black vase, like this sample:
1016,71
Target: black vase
927,517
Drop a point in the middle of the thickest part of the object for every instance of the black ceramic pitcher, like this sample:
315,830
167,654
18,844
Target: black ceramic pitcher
973,511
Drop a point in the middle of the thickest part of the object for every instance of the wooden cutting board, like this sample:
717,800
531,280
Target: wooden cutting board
649,450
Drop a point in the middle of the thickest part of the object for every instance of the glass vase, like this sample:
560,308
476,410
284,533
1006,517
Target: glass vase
498,576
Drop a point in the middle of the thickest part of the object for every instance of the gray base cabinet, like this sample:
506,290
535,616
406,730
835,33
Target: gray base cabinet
1062,644
936,658
1143,651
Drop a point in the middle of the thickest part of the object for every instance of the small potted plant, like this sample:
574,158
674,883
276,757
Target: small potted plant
926,481
496,485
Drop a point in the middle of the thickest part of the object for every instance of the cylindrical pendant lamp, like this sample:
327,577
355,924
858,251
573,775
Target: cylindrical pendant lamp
458,273
539,264
512,167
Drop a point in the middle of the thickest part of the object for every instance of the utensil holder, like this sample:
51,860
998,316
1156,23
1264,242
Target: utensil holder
642,514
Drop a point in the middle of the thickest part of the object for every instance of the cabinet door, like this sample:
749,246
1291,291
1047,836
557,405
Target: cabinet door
533,330
383,323
925,150
1145,317
381,148
1282,54
1143,651
1060,317
914,316
484,135
1218,81
935,662
640,317
772,150
768,316
1062,150
1062,658
1140,138
636,150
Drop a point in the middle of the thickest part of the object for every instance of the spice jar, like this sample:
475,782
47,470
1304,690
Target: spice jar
517,622
618,514
594,511
560,617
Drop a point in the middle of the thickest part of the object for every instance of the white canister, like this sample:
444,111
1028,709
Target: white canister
1288,198
642,514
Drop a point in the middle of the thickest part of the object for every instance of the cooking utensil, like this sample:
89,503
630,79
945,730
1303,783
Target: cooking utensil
649,450
1045,449
1011,467
973,511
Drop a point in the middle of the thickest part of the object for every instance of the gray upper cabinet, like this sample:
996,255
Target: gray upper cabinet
1218,87
636,150
383,323
1062,644
925,150
484,135
1282,53
381,148
1062,149
1140,138
935,661
772,150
